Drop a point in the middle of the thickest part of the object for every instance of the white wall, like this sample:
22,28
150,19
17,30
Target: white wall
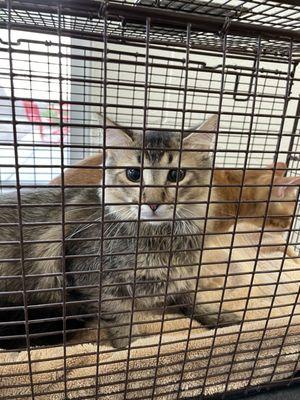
234,129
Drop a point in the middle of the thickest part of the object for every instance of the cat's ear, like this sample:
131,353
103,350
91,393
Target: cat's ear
202,136
114,134
286,187
280,168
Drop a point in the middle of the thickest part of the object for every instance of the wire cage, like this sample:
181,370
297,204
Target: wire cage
149,208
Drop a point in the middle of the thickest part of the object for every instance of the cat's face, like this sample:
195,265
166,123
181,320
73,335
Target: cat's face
163,189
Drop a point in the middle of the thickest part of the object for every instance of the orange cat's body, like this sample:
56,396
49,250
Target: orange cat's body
82,176
255,184
252,203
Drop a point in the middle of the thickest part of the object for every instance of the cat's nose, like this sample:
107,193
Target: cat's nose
153,207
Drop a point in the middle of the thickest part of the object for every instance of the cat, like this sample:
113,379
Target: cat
258,276
156,270
264,197
258,272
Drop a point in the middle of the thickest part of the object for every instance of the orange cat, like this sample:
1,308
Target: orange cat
254,197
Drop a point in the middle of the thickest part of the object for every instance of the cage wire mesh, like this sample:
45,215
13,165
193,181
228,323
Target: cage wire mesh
141,270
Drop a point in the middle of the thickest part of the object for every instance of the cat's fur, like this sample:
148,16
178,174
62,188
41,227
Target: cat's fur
257,276
247,196
127,269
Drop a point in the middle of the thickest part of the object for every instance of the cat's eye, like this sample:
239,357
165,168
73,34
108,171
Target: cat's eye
176,175
133,174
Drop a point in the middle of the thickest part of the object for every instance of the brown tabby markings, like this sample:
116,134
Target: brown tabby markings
162,278
155,271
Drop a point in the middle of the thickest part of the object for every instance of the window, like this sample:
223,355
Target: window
41,80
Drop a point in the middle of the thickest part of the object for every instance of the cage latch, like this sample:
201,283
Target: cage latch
102,8
228,20
223,31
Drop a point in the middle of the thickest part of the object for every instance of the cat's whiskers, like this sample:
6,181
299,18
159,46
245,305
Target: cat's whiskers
114,212
114,228
129,216
87,226
186,209
128,213
184,213
70,210
83,228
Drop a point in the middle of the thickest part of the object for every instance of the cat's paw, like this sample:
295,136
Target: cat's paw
121,338
120,343
220,321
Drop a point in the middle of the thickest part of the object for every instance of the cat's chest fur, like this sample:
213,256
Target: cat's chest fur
166,266
147,264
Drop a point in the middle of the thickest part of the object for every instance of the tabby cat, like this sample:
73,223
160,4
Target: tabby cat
133,263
